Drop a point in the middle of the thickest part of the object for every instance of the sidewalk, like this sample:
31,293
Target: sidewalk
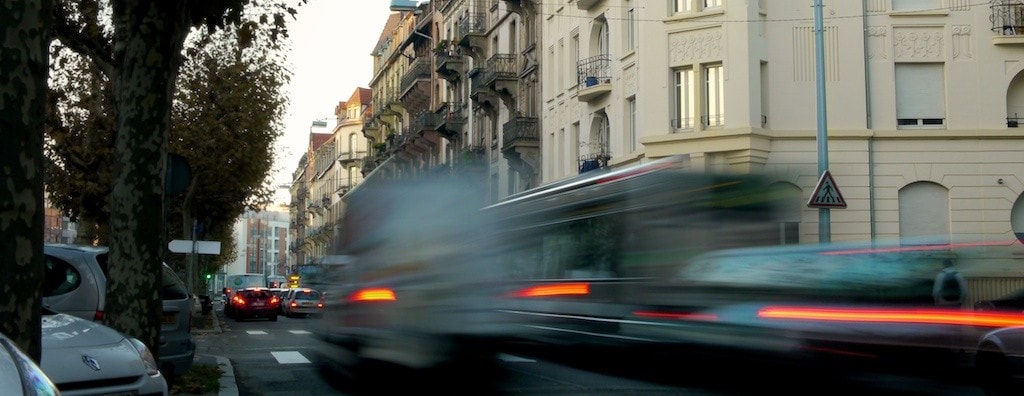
228,386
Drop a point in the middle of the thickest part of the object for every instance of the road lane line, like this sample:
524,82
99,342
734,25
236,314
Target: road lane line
256,332
299,332
514,359
289,357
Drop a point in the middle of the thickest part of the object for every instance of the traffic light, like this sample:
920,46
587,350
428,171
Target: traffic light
208,276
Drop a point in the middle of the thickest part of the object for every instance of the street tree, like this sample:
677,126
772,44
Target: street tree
25,27
141,56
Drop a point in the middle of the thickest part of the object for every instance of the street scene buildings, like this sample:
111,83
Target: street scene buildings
923,101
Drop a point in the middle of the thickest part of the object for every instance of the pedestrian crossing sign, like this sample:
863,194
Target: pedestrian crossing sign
826,194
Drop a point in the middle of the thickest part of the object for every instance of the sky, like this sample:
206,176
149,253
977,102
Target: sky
330,58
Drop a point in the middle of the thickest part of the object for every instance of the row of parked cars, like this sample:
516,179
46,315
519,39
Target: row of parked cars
80,355
260,302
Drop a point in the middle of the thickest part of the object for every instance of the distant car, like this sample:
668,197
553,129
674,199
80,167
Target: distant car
19,375
254,302
83,357
999,362
303,302
281,293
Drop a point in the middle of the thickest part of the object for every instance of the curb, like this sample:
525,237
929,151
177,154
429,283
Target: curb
228,387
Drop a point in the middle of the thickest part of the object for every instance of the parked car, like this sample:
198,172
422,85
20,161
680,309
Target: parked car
75,280
75,283
999,361
1010,302
302,302
19,375
83,357
254,302
177,349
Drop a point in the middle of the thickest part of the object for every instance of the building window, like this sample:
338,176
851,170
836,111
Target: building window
916,5
683,97
712,4
920,96
680,6
714,96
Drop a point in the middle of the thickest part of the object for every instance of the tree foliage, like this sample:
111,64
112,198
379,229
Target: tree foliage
141,56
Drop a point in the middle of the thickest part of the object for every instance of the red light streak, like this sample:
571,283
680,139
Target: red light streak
376,294
920,316
560,289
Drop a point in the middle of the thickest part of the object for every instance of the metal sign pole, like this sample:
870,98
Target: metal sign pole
824,218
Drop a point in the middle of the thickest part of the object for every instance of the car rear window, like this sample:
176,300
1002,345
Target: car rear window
59,277
307,295
173,287
254,294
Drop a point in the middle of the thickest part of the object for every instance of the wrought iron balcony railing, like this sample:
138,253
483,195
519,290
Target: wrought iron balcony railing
594,70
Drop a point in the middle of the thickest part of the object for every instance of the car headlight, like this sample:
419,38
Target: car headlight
152,368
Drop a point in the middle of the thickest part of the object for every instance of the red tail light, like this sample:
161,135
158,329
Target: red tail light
320,304
557,289
238,300
293,304
374,294
923,316
98,316
274,300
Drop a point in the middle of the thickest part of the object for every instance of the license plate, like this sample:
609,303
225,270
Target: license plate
169,318
257,304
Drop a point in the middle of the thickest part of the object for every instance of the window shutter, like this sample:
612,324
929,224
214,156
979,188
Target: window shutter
920,91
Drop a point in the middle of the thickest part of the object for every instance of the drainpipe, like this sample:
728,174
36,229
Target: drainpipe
871,139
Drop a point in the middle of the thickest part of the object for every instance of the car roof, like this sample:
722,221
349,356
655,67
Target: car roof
83,248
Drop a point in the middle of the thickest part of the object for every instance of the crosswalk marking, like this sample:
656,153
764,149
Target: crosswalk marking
256,332
299,332
514,359
289,357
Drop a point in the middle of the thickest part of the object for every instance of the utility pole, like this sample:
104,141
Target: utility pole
824,216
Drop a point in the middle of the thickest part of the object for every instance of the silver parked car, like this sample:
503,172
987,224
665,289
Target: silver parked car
75,283
19,375
999,361
83,357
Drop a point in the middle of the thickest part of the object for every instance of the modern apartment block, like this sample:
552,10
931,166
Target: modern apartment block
261,240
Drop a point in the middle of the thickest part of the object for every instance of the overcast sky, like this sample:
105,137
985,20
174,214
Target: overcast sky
330,58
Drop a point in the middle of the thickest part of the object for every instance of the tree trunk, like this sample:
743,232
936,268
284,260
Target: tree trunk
24,60
149,37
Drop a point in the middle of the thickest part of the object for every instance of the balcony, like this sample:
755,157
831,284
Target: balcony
416,85
586,5
594,77
520,132
451,119
424,122
350,157
473,32
503,76
369,164
594,161
1007,19
450,65
479,91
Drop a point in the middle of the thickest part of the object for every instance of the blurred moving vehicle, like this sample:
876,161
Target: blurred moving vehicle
75,283
83,357
254,302
302,302
19,375
999,362
578,254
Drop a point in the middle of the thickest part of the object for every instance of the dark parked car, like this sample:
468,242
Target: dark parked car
255,302
1010,302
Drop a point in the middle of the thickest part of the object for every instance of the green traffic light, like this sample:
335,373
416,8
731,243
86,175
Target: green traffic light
207,276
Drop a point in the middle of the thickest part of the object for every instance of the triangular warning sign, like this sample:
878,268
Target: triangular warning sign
826,194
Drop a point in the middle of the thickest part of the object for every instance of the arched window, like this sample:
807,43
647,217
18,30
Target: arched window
924,212
1017,218
352,144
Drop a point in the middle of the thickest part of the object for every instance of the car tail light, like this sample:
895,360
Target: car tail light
374,294
555,289
238,300
274,300
98,316
293,304
893,315
320,304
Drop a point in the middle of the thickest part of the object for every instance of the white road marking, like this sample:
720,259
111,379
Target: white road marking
514,359
256,332
299,332
289,357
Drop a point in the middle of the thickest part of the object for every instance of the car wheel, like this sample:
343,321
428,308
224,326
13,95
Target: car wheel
273,318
